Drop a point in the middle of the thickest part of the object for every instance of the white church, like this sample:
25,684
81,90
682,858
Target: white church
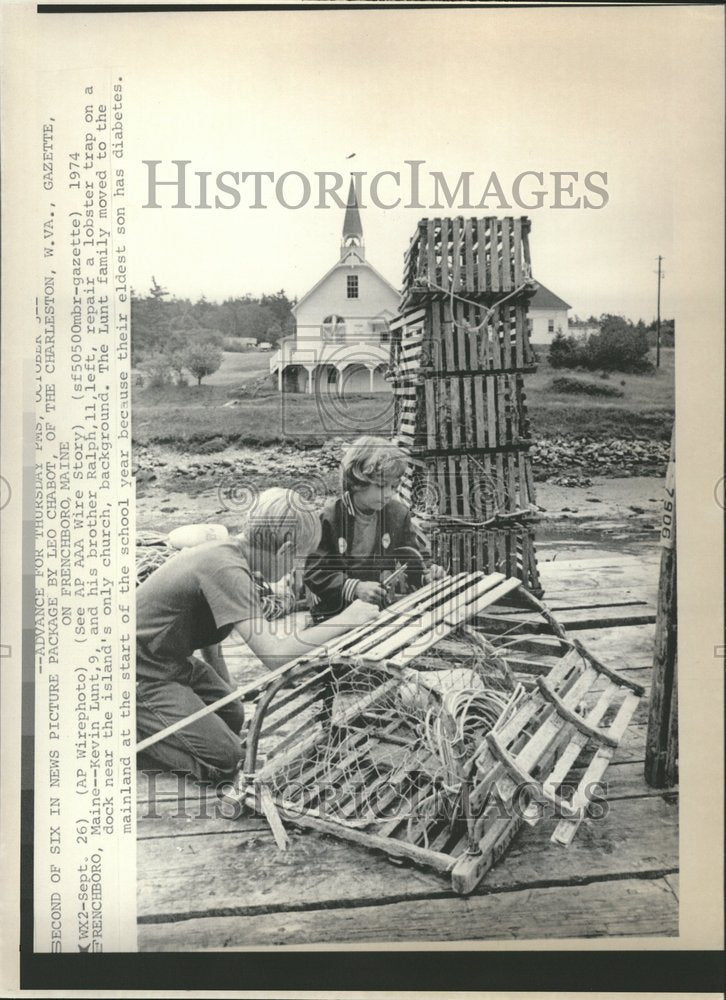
341,335
341,340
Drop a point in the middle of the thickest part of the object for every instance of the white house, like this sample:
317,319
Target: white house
583,328
547,315
341,333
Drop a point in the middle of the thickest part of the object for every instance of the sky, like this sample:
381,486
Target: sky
484,91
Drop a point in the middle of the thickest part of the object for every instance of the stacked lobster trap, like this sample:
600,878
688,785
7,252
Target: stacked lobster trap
414,736
459,351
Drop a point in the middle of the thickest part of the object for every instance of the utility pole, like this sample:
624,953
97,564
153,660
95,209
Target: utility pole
657,329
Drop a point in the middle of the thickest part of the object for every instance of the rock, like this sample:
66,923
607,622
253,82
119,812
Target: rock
212,445
145,476
168,510
637,510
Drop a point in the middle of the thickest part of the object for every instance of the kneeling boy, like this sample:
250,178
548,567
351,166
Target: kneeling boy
195,600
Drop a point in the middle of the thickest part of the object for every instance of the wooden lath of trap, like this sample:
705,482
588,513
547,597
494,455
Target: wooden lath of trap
483,256
437,760
458,354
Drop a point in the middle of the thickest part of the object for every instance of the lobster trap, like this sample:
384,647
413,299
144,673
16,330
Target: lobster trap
459,351
485,257
413,735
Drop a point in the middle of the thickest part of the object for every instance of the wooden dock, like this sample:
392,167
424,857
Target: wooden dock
207,881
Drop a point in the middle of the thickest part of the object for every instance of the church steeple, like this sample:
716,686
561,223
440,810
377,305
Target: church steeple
352,245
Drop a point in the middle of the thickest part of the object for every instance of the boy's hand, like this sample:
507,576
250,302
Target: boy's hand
358,613
370,591
434,572
284,594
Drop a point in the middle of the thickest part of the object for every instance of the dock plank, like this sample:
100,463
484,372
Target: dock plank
631,747
626,780
631,576
575,619
628,648
244,872
621,908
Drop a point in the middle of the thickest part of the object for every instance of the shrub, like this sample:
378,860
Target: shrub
157,371
582,387
233,345
619,346
215,337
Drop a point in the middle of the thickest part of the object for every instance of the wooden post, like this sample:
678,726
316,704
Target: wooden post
661,749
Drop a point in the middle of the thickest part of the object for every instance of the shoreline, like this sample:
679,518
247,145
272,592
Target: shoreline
175,489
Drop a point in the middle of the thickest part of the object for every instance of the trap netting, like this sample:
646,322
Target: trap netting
379,745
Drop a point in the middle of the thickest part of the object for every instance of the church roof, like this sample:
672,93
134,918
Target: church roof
340,264
352,225
543,298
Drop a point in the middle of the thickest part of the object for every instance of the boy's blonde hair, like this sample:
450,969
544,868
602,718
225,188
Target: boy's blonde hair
281,516
371,460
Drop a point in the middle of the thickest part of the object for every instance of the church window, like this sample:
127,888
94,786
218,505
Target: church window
332,329
352,286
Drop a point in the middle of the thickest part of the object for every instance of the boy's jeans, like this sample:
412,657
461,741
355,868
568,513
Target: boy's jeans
208,748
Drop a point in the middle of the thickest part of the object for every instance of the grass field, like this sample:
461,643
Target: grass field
185,416
238,368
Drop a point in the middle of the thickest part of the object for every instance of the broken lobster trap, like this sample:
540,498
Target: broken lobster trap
413,735
459,351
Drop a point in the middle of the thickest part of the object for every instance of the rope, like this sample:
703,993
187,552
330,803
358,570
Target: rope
527,283
470,302
441,519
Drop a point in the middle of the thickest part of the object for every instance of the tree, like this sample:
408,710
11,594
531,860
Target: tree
157,321
156,291
210,336
619,346
564,351
273,332
203,359
150,318
279,305
252,320
175,351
